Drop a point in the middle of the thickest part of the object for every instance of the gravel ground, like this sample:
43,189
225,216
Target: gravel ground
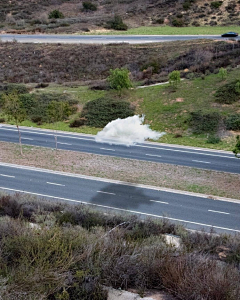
207,182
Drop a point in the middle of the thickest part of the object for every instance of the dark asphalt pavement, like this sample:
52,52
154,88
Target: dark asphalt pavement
154,152
193,211
102,39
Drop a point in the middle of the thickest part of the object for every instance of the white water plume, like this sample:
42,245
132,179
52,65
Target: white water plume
127,132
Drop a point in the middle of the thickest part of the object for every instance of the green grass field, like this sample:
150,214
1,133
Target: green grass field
168,30
165,110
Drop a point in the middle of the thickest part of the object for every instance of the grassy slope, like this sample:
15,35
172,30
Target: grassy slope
162,109
167,30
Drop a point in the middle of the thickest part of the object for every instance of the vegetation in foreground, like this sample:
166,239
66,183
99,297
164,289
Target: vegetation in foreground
70,252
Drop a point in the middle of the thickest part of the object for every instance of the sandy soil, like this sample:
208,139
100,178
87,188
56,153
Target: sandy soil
208,182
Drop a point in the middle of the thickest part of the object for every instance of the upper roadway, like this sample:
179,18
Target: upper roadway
102,39
155,152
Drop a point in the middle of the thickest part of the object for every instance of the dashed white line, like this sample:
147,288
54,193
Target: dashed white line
153,155
121,209
53,183
4,175
219,212
107,149
64,143
27,139
159,201
106,193
200,161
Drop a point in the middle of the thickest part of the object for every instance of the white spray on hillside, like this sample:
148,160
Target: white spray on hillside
127,131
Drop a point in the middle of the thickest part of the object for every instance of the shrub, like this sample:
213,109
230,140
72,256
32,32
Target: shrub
13,88
213,139
186,5
216,4
178,22
2,120
87,5
117,24
159,21
228,93
56,14
77,122
100,112
204,122
174,78
119,79
233,122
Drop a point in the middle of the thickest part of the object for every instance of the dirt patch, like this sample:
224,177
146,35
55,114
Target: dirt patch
207,182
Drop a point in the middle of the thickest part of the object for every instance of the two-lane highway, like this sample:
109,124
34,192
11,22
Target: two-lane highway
102,39
194,211
160,153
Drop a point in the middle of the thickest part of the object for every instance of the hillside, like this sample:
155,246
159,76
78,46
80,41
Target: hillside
33,15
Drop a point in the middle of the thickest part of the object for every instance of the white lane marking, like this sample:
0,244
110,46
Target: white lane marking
64,143
53,183
219,212
159,201
106,193
51,134
141,186
200,161
121,209
153,155
142,146
107,149
27,139
192,152
4,175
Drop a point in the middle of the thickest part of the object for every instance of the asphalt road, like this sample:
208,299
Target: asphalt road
154,152
192,211
102,39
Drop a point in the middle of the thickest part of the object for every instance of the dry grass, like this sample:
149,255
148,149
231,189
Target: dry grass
134,171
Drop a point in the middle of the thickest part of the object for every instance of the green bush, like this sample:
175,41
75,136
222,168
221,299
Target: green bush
213,139
204,122
99,112
186,5
216,4
13,87
56,14
233,122
228,93
37,105
117,24
87,5
119,79
178,22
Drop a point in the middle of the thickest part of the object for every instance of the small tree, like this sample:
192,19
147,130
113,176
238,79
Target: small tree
56,14
174,78
58,111
222,73
236,150
13,109
119,79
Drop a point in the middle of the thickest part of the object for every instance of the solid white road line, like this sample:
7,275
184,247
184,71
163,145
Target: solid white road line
159,201
7,176
184,151
153,155
107,149
53,183
23,138
142,186
219,212
106,193
121,209
200,161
